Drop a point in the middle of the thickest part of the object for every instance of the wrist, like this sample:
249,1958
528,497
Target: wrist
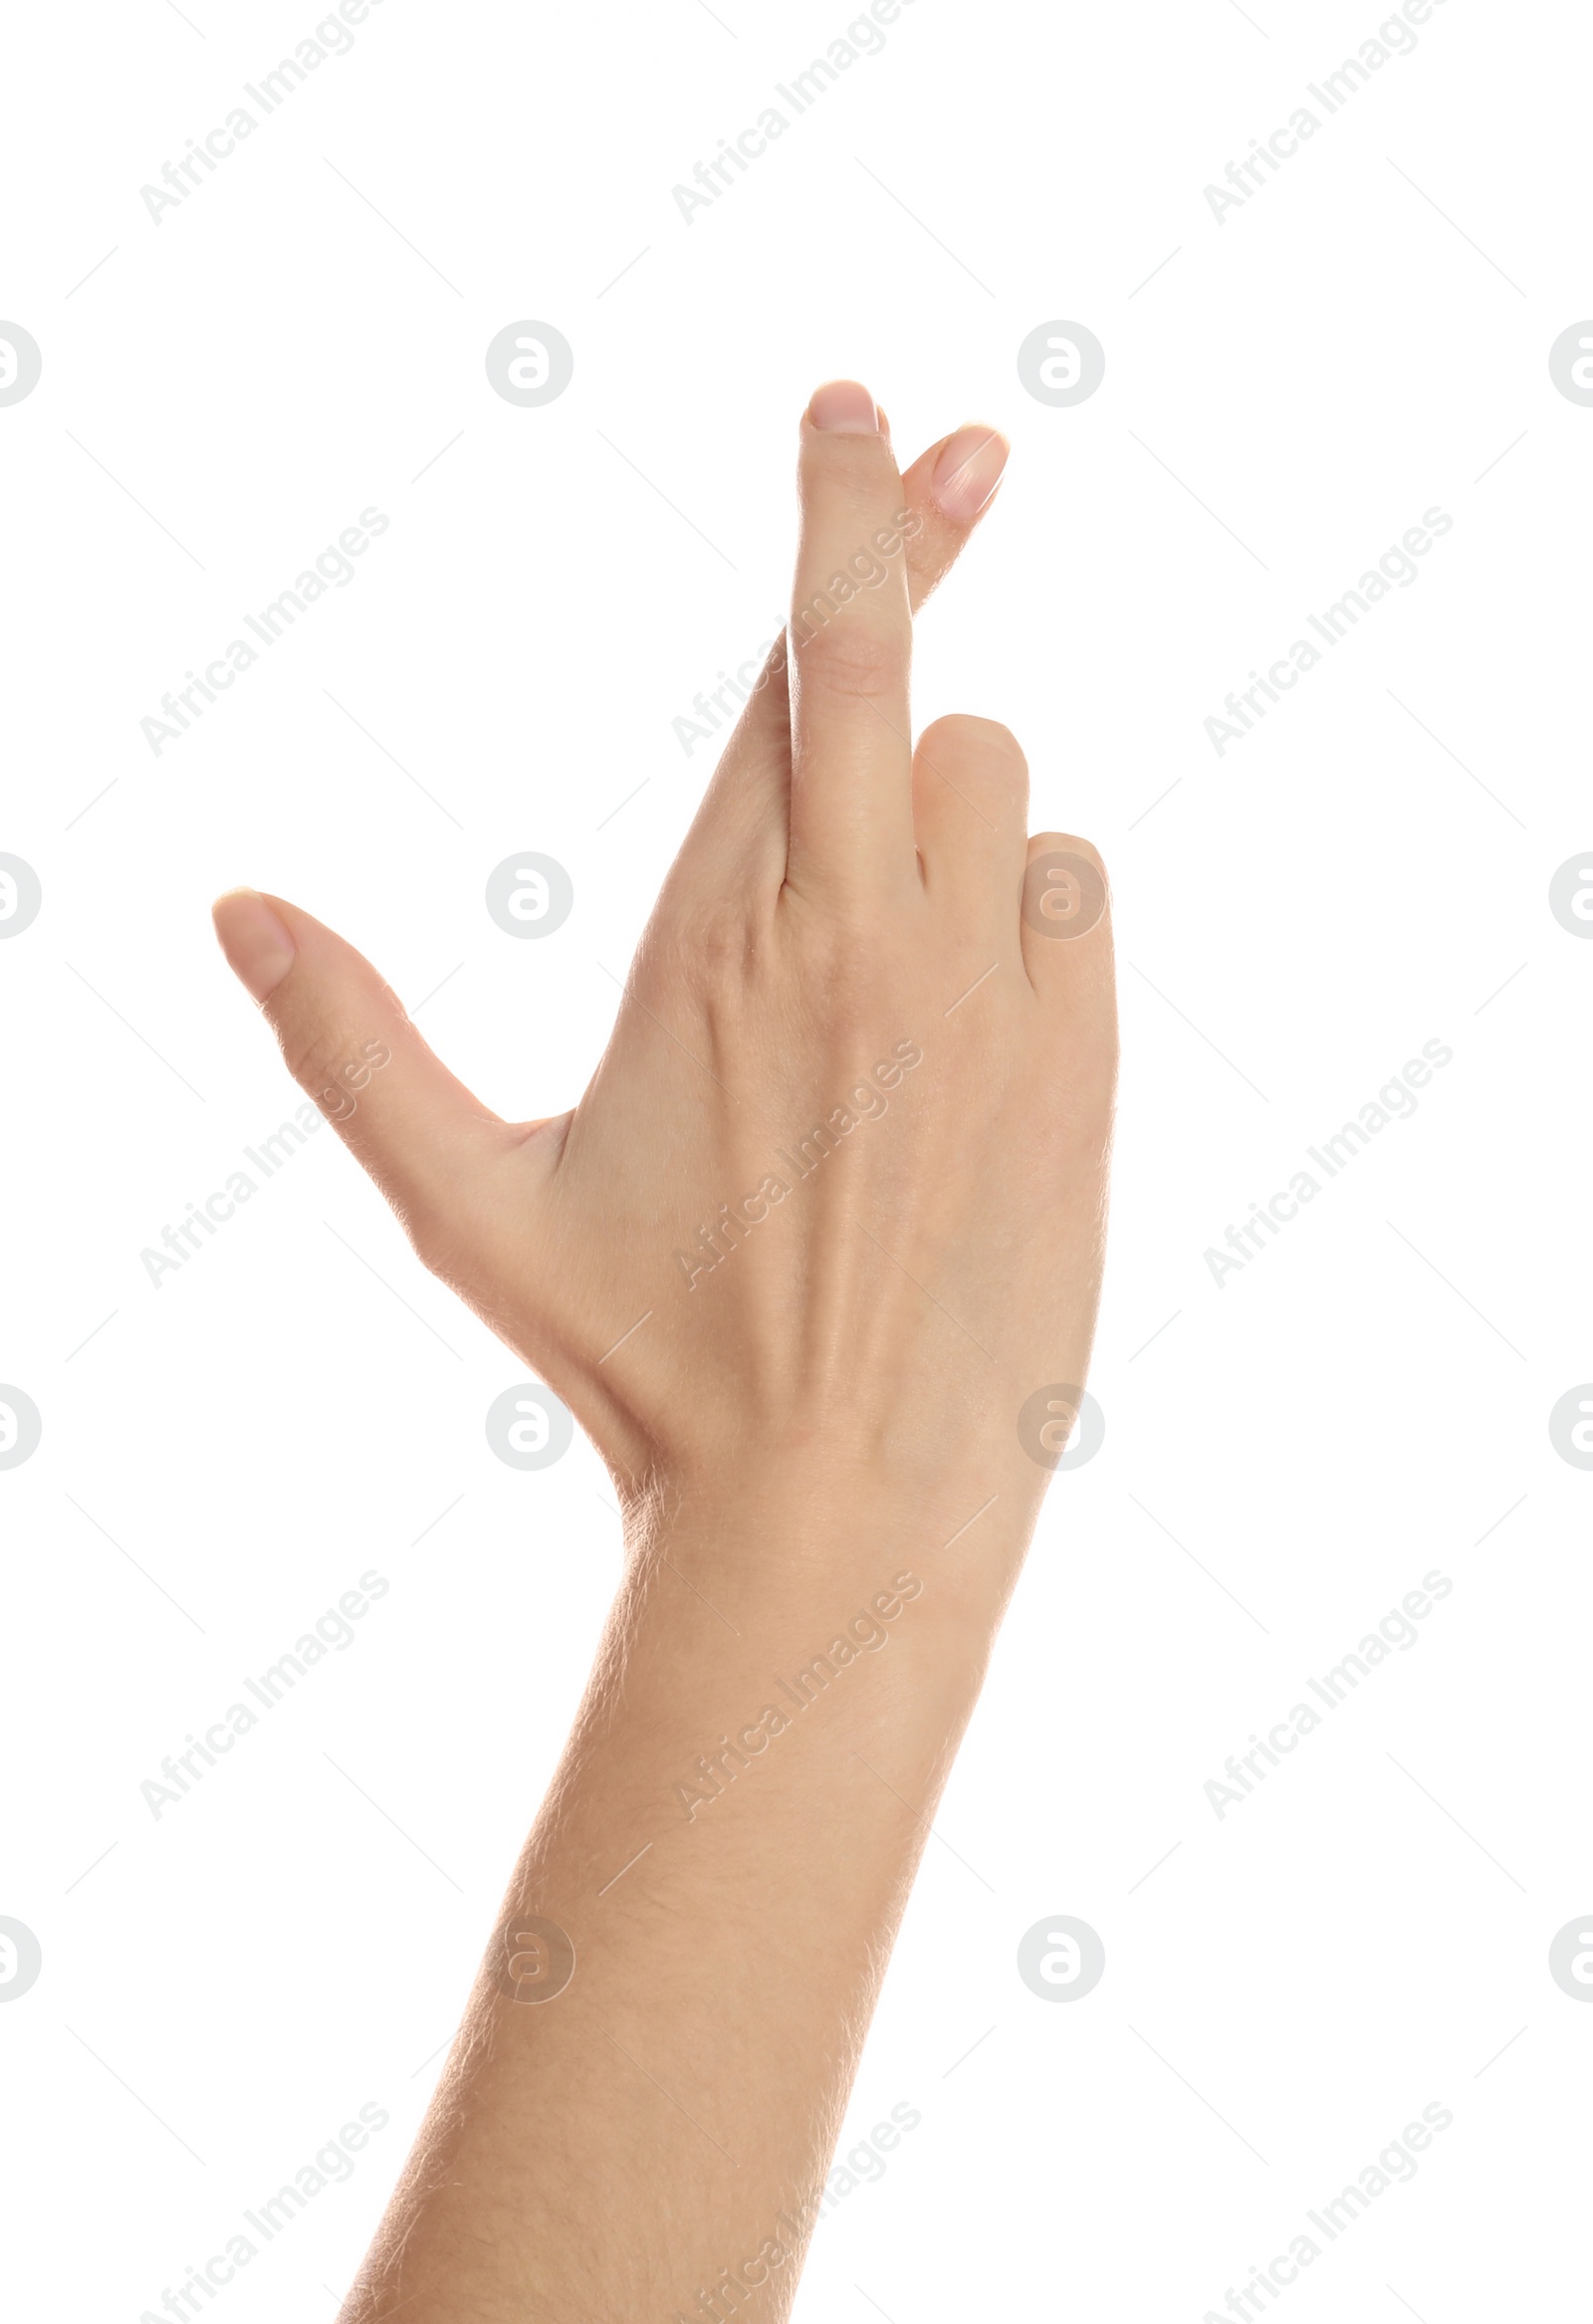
775,1540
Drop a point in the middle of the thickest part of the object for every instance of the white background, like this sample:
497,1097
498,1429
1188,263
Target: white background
1366,339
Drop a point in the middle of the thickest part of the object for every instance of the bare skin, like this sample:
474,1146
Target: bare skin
819,1416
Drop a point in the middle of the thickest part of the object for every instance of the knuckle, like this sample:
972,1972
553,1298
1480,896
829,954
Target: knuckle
847,467
977,741
438,1240
848,983
712,944
845,659
1070,844
315,1056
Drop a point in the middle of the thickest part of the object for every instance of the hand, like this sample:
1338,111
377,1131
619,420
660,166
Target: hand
837,1185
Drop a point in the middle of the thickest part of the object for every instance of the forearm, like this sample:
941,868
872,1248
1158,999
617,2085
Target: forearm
728,1843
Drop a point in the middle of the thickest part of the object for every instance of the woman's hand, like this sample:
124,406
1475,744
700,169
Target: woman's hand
816,1261
837,1186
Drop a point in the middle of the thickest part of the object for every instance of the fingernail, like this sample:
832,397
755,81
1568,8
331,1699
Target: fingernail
968,472
844,407
259,949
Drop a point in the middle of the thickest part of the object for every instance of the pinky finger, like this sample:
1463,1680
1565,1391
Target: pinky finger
1066,908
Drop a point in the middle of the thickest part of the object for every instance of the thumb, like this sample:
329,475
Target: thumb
349,1045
